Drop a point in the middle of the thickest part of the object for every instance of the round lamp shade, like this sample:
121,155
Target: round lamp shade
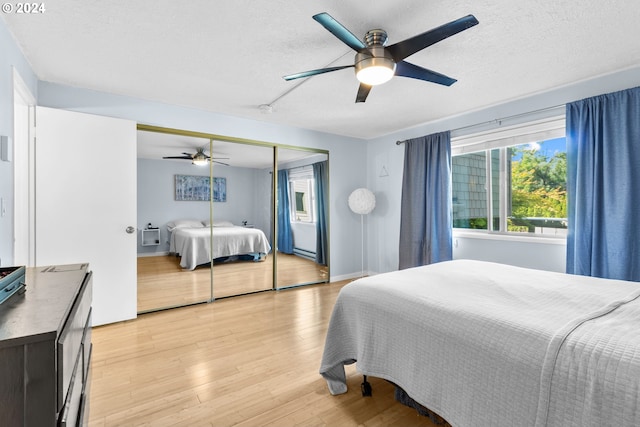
362,201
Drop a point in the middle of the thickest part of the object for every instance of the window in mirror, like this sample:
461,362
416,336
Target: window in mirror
303,200
302,220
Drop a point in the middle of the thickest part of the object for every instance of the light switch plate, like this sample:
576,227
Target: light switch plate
5,154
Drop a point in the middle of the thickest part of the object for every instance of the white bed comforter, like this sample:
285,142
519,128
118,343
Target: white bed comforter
195,245
486,344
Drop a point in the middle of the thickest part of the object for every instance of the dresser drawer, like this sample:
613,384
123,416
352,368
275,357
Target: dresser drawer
71,408
83,417
86,348
69,347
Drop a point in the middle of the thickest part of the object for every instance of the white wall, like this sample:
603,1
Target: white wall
347,164
530,252
304,236
10,58
383,224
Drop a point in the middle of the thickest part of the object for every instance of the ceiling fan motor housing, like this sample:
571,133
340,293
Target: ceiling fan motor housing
374,55
375,37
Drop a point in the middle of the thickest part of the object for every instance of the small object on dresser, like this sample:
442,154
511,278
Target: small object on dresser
11,282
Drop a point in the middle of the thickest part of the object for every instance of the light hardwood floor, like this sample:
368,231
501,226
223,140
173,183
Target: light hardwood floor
162,283
251,360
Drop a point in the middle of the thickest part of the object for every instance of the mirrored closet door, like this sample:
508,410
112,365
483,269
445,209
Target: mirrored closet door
174,210
302,194
242,224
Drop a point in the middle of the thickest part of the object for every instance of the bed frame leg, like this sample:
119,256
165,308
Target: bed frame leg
365,387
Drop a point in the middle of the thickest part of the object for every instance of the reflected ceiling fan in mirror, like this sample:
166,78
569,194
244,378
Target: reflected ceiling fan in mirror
376,63
199,158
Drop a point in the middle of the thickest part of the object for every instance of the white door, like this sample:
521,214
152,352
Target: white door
23,157
86,200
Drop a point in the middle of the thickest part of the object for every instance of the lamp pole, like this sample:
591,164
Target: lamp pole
362,244
362,202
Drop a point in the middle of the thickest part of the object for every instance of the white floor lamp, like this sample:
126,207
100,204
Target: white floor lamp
362,202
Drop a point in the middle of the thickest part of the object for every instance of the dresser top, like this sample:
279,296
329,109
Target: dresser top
40,312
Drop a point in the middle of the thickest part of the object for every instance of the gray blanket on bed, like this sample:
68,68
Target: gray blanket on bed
198,246
485,344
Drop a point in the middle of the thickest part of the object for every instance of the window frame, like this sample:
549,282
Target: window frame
303,173
502,138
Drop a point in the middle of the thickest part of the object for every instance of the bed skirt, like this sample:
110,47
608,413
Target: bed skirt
402,397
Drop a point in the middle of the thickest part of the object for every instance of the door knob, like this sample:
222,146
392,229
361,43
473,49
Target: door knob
130,229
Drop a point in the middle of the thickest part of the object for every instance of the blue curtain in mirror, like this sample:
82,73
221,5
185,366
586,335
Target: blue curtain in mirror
320,175
426,221
285,236
603,186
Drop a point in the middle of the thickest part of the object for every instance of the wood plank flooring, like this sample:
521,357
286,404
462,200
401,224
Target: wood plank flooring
162,283
251,360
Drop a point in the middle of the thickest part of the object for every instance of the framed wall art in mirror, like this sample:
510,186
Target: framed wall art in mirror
197,188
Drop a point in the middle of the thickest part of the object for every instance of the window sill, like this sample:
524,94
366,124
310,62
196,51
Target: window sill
485,235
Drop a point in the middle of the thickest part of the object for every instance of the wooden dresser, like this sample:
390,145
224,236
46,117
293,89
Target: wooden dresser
45,349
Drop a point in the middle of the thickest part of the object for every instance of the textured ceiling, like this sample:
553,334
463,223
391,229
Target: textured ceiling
229,56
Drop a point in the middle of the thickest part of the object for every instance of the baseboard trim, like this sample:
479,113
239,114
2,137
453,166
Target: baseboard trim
144,254
349,276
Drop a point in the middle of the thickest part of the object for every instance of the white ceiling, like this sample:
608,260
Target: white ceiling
229,56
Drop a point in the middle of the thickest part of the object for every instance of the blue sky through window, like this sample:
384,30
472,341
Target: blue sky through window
548,147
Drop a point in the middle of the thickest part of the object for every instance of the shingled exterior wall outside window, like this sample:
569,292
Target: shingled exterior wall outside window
536,185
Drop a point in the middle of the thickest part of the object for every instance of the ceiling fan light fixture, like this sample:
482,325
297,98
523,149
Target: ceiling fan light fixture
375,75
199,160
374,70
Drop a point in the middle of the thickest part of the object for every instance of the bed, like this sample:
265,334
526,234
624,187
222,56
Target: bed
191,240
485,344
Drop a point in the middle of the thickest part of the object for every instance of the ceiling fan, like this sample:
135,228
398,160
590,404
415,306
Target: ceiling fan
376,63
199,158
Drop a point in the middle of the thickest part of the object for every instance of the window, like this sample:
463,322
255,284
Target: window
302,194
512,180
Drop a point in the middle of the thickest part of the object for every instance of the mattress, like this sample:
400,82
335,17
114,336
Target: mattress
485,344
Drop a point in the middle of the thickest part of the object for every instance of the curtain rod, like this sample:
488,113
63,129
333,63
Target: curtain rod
515,116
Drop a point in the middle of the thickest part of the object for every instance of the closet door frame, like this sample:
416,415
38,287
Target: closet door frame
275,147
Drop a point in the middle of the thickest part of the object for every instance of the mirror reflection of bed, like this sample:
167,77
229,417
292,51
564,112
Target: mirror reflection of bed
172,276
